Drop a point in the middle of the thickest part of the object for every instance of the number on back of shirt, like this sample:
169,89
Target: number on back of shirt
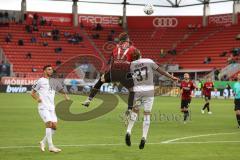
141,74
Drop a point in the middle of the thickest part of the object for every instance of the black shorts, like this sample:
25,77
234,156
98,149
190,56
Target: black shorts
237,104
125,78
185,103
207,97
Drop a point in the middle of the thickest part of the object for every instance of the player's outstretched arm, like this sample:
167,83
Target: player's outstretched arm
35,96
167,74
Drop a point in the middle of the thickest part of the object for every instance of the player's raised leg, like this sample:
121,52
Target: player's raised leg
132,120
146,125
147,104
96,88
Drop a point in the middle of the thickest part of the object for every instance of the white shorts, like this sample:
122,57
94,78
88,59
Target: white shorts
47,115
144,99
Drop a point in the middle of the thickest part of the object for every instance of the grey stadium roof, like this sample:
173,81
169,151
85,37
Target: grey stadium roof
156,3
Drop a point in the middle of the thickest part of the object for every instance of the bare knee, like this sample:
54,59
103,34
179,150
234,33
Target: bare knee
146,112
54,125
48,124
135,109
103,78
237,112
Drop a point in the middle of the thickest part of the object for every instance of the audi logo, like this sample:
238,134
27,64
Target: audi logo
165,22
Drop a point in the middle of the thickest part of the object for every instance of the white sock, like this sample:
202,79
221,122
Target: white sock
53,131
146,124
44,140
133,118
49,137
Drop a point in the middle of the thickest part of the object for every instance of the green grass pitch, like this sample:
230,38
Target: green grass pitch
208,137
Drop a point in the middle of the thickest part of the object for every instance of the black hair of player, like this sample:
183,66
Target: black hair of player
136,54
123,37
47,66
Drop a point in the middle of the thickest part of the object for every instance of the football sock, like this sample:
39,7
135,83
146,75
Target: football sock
208,108
95,89
205,106
130,100
238,119
53,131
146,124
185,115
44,140
49,137
133,118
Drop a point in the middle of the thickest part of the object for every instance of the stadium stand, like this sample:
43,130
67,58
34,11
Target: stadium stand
187,47
17,54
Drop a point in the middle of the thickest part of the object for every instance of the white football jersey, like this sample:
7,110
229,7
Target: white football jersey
46,89
142,71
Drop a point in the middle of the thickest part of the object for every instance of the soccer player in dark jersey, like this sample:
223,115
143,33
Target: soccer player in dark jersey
236,92
186,87
208,86
118,70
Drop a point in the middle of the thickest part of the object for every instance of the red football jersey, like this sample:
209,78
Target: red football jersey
187,88
123,55
207,88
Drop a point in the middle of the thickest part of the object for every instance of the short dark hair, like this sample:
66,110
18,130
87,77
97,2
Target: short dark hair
45,67
136,54
123,37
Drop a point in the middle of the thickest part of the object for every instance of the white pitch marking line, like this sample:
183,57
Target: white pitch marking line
173,141
63,145
86,145
197,136
203,142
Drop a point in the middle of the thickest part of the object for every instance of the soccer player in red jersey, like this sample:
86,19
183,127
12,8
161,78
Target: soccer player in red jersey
118,70
186,87
207,88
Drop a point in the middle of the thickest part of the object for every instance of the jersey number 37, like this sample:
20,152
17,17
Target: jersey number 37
141,74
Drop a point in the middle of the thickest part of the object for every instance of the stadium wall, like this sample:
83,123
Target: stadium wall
136,21
23,85
220,20
163,21
86,20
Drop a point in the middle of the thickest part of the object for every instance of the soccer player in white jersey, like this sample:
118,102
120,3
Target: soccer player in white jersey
142,71
46,88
